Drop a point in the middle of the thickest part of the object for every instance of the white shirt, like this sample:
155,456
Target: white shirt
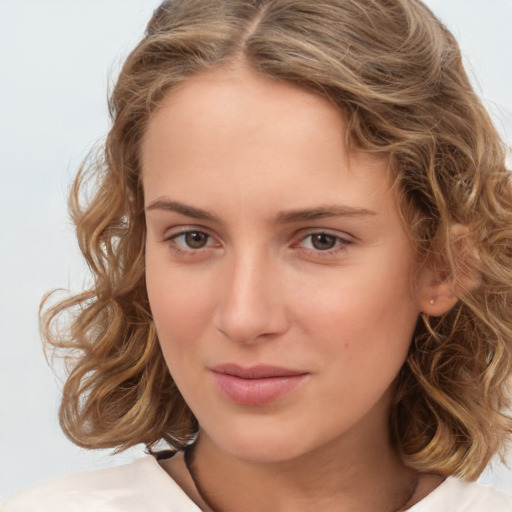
143,486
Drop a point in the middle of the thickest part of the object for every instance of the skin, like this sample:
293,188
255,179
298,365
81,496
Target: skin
234,159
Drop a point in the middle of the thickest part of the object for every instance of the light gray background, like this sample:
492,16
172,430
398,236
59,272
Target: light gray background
57,58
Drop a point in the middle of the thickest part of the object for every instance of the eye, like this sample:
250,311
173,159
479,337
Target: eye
190,240
321,241
195,239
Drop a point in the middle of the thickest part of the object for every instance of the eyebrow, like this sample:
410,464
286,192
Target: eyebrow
322,212
184,209
284,217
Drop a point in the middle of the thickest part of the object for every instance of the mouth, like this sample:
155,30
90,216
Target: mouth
255,385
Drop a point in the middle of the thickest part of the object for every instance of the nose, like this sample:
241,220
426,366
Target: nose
253,303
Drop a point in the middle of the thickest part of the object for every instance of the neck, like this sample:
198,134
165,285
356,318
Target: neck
341,476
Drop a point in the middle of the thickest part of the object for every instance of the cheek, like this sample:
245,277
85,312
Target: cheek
181,303
369,315
363,333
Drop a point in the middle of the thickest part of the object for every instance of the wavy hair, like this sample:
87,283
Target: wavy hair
396,73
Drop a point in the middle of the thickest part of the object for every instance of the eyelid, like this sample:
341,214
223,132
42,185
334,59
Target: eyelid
174,233
184,229
343,240
342,235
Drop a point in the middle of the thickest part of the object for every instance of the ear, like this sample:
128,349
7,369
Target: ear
436,293
443,281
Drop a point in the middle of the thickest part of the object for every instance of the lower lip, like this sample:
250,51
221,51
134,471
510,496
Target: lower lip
256,392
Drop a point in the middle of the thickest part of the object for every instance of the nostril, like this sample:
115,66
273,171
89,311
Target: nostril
246,322
251,307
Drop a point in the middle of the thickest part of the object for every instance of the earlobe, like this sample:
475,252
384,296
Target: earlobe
442,284
436,297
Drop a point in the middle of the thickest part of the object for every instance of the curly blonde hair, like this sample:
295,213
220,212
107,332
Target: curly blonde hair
396,73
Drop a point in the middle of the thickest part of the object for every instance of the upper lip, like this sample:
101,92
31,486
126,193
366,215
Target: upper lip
260,371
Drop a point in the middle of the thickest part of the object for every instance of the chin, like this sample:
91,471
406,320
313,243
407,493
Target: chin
261,445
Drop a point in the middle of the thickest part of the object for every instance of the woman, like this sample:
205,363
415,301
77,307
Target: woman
301,248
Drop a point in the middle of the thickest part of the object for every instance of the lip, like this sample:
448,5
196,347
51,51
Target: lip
255,385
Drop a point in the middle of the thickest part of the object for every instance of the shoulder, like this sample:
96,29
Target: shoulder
456,495
142,486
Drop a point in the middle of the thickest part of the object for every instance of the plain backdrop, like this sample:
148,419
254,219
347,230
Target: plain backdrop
57,60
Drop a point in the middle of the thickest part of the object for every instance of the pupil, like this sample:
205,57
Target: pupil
196,239
323,242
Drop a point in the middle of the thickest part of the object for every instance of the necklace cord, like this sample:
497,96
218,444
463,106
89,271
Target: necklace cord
188,456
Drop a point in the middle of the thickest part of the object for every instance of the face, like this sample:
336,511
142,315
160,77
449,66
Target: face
278,270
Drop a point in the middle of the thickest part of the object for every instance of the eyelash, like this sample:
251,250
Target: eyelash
340,243
182,249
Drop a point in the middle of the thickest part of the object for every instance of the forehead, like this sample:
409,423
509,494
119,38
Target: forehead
243,104
239,131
